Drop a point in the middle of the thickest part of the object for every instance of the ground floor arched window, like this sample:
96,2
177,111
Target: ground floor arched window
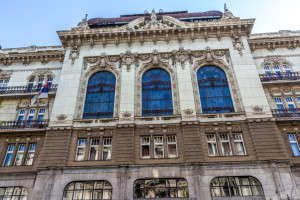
91,190
13,193
235,186
160,188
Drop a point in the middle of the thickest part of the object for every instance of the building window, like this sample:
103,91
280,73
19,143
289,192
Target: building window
21,115
94,149
9,154
40,83
50,80
239,144
41,114
298,101
158,147
294,144
235,186
277,70
156,93
13,193
30,84
172,146
3,84
224,141
279,103
100,96
287,69
30,116
214,90
212,145
107,149
88,190
267,70
20,154
290,103
160,188
225,145
30,154
80,149
145,147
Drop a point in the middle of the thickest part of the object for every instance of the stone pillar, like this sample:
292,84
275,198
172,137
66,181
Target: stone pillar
185,89
248,81
127,94
67,91
191,141
125,144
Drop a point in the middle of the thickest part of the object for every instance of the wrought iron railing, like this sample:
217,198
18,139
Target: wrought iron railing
25,89
286,113
289,76
25,124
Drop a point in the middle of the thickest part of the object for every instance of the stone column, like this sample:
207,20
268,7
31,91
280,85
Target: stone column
185,90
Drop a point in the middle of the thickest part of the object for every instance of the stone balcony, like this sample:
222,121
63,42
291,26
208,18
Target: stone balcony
25,124
291,113
24,90
290,76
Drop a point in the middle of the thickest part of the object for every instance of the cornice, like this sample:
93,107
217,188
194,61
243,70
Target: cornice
169,29
33,54
271,43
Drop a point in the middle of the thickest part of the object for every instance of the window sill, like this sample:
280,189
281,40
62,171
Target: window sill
78,161
157,158
246,155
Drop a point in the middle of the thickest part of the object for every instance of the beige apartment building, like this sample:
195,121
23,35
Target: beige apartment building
161,105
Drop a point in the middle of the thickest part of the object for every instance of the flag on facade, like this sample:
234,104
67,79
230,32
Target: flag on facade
40,95
44,92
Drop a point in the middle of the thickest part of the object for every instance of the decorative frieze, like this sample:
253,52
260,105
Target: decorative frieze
232,128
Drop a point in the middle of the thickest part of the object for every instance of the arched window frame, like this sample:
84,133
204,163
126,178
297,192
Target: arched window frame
166,187
144,68
235,96
85,181
83,89
239,185
277,61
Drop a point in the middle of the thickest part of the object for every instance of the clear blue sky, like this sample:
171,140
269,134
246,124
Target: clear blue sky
35,22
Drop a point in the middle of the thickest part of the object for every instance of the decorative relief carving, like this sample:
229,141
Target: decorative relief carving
284,33
126,114
158,131
102,61
181,56
227,14
93,134
5,74
290,129
233,128
155,58
238,44
257,109
74,54
61,117
188,111
274,60
41,73
128,59
83,25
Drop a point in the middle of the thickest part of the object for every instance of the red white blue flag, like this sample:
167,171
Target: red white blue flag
43,94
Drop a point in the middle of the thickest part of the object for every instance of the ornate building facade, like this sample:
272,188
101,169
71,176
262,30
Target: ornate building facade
169,105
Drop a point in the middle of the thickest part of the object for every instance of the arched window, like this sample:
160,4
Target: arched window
13,193
235,186
161,188
156,93
267,70
214,91
91,190
100,96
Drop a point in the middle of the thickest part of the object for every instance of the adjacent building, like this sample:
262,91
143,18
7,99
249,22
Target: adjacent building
167,105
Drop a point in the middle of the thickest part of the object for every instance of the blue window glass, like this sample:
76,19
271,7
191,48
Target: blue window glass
214,91
100,96
294,145
156,93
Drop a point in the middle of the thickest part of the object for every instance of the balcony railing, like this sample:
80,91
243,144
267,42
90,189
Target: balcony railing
25,124
290,76
25,89
286,113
